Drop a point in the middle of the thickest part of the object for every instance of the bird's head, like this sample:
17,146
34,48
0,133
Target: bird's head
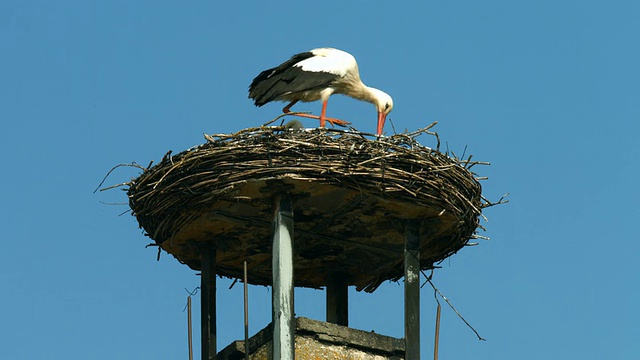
384,104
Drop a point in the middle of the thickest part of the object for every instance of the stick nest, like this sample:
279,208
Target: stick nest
351,194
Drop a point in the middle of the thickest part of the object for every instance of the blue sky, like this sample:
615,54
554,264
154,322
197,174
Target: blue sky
547,91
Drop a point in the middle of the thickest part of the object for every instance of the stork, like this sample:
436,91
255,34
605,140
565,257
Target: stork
316,75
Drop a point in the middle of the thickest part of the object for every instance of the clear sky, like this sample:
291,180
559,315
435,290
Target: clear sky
547,91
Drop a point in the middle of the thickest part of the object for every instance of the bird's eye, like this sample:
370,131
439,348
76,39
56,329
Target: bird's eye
386,106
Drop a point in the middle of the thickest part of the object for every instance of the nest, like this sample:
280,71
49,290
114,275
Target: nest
351,193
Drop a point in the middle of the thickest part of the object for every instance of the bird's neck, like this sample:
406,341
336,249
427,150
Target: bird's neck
365,93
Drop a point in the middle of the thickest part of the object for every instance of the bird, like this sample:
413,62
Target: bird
316,75
294,125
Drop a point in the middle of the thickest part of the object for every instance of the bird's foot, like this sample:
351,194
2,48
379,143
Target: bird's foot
335,122
331,121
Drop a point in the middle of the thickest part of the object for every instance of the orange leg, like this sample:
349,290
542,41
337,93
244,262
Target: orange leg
323,115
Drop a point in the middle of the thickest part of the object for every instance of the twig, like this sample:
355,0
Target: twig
464,152
450,304
286,114
114,186
499,202
393,127
115,167
233,283
191,293
422,130
113,203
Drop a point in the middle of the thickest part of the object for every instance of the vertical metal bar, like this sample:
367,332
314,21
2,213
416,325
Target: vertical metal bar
412,290
246,314
437,337
282,263
208,301
338,299
189,331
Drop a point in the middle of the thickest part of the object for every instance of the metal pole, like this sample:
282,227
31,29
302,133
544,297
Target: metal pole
338,299
412,290
208,301
189,335
246,314
282,263
437,337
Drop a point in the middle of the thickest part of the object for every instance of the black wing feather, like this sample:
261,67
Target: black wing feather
286,78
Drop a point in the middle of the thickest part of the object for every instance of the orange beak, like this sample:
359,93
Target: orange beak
381,119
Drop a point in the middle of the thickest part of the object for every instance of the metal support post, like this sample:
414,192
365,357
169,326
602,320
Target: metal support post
208,301
282,300
338,299
412,290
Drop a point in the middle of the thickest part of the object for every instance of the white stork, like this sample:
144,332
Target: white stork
316,75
